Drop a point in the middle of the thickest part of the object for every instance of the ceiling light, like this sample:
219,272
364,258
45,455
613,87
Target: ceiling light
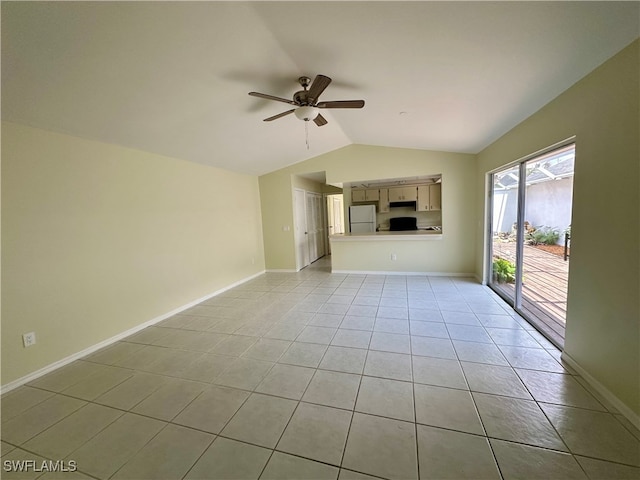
307,113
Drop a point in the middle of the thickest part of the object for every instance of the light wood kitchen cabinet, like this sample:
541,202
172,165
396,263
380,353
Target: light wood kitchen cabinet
357,196
371,195
403,194
435,196
365,195
429,197
395,194
383,202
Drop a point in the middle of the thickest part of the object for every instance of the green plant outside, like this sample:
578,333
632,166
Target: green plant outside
504,271
543,236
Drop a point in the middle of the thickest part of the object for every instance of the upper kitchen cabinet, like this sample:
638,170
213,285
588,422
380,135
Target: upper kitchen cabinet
403,194
420,193
372,195
429,197
383,203
365,195
357,196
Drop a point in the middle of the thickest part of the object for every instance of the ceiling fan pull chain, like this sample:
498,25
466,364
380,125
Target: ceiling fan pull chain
306,132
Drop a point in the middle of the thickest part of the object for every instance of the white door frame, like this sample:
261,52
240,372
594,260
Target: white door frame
300,232
331,214
315,225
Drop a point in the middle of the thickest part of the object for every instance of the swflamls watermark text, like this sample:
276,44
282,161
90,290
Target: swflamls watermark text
39,465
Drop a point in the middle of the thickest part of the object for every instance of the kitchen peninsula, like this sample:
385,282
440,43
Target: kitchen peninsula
405,252
387,235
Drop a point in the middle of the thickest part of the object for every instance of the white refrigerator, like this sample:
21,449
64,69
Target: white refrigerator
362,218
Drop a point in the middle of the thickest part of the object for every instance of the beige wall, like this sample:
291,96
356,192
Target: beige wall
361,163
276,197
98,239
603,318
306,184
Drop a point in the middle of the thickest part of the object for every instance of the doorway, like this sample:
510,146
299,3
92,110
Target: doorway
315,225
300,229
529,246
309,230
335,216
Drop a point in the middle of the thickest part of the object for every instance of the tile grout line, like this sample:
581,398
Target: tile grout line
22,446
415,403
353,412
475,406
316,369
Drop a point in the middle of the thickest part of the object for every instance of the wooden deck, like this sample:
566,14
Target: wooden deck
544,290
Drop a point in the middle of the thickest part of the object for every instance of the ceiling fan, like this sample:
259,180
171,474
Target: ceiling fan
306,101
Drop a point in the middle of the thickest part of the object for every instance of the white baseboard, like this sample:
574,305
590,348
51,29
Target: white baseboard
282,270
607,395
415,274
105,343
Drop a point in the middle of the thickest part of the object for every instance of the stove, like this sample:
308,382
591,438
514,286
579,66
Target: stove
399,224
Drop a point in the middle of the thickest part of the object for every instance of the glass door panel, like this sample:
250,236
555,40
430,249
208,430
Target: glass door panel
504,231
545,261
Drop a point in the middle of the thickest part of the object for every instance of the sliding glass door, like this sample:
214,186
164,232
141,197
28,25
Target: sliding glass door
530,218
504,221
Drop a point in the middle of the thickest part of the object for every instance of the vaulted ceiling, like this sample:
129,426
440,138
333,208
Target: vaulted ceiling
172,77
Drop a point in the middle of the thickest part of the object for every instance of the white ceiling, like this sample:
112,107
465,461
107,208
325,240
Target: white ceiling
173,77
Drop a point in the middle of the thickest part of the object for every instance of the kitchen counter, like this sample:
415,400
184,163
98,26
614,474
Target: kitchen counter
411,235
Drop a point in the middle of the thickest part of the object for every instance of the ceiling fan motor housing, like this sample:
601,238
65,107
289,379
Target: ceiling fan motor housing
301,97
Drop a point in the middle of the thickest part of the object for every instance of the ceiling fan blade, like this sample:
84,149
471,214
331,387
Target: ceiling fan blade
320,120
317,87
342,104
275,117
271,97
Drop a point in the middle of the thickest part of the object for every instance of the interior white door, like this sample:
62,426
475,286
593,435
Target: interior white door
321,229
335,218
310,226
300,229
315,226
338,214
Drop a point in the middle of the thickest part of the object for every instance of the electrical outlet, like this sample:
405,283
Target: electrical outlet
29,339
394,256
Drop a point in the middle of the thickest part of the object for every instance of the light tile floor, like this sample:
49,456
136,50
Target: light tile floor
314,375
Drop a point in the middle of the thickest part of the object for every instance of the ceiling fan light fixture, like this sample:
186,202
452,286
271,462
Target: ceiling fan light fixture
307,113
